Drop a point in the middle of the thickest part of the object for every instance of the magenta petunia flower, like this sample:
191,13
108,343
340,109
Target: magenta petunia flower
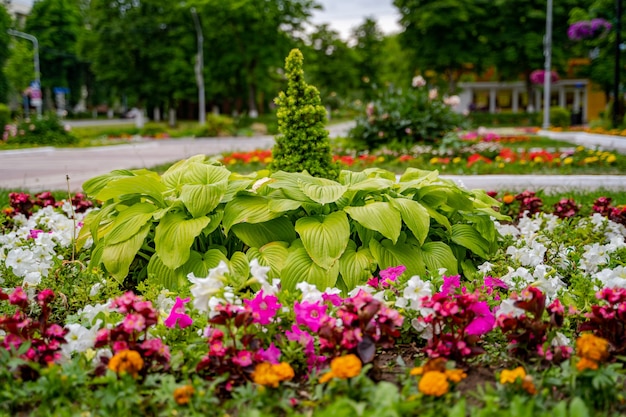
177,315
391,274
271,354
483,322
134,323
449,283
243,358
263,307
310,314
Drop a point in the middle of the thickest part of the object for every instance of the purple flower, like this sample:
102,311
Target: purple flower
177,315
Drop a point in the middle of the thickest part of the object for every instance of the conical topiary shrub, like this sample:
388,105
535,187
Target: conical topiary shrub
303,142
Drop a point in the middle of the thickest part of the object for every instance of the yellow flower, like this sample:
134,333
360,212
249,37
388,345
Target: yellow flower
592,347
510,376
611,158
568,161
434,383
380,159
416,371
585,363
580,148
343,367
182,395
268,374
126,361
455,375
434,160
456,160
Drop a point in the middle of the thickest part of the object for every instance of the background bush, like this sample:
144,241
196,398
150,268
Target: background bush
477,119
559,117
216,125
403,118
5,115
46,130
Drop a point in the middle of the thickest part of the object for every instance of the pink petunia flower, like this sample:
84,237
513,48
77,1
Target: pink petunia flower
310,314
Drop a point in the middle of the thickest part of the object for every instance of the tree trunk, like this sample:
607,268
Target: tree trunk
172,113
253,111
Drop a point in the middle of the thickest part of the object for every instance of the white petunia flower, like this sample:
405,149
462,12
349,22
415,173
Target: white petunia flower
205,288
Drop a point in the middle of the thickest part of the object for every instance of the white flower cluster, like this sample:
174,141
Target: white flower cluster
30,250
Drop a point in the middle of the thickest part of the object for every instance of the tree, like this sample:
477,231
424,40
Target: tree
246,42
368,47
56,25
303,143
19,69
332,65
447,36
5,23
395,69
517,39
144,49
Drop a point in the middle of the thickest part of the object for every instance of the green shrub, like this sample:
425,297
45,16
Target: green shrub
216,125
46,130
402,118
327,233
559,117
303,143
5,115
477,119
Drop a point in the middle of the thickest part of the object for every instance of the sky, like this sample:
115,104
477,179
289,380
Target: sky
344,15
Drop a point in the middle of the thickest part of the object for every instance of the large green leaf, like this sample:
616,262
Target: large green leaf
388,255
273,254
118,257
175,235
258,234
324,237
246,208
201,200
239,267
299,267
172,279
467,236
321,190
356,266
380,216
438,217
142,185
200,264
415,216
439,255
288,184
215,220
283,205
129,221
94,185
371,184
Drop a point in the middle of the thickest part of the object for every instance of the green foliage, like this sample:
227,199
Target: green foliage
559,117
45,130
5,22
5,115
304,228
303,144
401,118
477,119
216,125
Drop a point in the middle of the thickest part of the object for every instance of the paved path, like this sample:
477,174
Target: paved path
44,169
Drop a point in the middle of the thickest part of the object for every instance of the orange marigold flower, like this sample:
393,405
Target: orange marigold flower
585,363
417,371
455,375
528,385
510,376
343,367
182,395
592,347
268,374
126,361
508,199
434,383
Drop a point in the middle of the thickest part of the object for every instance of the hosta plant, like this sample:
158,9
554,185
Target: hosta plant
328,233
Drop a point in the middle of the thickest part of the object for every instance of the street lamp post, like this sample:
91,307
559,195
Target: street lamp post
548,67
36,58
199,68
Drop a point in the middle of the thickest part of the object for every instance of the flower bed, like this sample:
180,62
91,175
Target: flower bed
539,328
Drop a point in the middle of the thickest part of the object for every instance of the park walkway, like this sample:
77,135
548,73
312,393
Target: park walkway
44,169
